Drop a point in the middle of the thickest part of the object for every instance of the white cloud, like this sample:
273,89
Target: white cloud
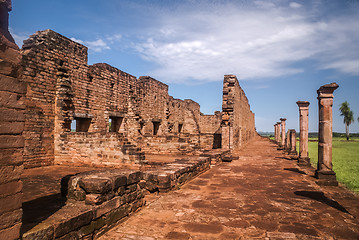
97,46
18,37
77,40
295,5
258,42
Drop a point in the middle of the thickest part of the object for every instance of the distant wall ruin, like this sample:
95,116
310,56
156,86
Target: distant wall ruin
119,118
238,125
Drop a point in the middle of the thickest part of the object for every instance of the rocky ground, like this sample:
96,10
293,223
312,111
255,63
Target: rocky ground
262,195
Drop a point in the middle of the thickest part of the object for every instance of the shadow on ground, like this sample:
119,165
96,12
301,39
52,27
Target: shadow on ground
37,210
295,170
320,197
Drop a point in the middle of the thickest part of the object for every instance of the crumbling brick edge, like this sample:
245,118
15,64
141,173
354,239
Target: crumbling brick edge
98,200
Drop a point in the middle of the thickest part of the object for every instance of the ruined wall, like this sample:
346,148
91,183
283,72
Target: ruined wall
237,118
118,117
51,63
12,91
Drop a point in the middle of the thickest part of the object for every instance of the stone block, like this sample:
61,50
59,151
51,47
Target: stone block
10,203
11,100
10,173
10,188
91,228
70,236
10,219
94,199
11,127
10,158
11,84
117,214
41,231
11,141
134,177
93,184
11,233
118,181
71,224
106,207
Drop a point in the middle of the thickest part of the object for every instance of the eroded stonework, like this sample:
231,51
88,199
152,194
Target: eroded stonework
120,119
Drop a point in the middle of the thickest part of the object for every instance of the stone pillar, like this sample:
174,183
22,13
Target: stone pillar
282,124
292,142
278,133
287,141
303,158
324,171
275,132
12,92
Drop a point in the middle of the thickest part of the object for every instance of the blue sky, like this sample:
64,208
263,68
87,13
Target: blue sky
281,51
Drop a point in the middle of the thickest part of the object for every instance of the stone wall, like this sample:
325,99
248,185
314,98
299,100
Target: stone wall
238,125
12,91
108,106
51,63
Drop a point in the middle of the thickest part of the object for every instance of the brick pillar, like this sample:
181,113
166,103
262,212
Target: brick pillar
324,171
12,92
282,124
303,158
292,142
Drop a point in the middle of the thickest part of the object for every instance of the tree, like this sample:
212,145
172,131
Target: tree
348,116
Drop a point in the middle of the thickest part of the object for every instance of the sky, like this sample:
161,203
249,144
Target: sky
281,51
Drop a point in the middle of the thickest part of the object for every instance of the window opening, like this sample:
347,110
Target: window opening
156,126
82,124
180,126
115,124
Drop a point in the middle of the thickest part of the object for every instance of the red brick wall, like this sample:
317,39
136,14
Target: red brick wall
62,88
238,125
12,91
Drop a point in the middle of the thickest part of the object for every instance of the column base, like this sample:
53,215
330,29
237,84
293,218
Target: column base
292,152
326,178
305,162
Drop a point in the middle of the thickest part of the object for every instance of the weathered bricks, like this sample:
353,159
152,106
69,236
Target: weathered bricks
63,88
237,118
12,91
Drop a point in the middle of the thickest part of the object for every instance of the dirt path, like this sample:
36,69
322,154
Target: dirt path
263,195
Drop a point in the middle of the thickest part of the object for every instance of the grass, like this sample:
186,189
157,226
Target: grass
345,160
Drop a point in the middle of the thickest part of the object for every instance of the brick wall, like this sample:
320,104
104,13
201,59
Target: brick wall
12,91
238,125
51,63
63,90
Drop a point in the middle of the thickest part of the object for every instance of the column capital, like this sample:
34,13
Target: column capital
303,104
283,119
326,91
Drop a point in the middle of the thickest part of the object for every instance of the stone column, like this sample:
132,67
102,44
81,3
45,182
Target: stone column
278,133
293,142
287,141
282,124
303,158
12,91
324,171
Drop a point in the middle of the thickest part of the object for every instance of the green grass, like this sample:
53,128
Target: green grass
345,160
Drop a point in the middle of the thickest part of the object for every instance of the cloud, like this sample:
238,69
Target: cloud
258,41
295,5
18,37
100,45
